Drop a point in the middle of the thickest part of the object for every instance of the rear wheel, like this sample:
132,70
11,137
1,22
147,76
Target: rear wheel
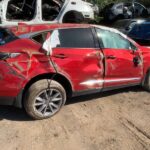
146,83
44,99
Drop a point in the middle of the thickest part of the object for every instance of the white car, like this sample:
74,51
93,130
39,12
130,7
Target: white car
13,12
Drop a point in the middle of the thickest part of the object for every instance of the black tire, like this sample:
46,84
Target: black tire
146,82
73,17
40,92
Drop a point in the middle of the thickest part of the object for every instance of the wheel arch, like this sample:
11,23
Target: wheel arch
55,76
72,13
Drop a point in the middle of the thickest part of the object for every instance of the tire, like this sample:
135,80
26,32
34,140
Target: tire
73,17
146,83
44,99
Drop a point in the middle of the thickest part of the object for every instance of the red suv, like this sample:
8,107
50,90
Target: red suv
41,66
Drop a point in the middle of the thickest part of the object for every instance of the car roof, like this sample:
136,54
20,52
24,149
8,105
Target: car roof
24,28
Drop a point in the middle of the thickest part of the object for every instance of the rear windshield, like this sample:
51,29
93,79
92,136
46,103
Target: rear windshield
6,36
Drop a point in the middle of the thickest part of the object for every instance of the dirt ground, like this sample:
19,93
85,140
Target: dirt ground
117,120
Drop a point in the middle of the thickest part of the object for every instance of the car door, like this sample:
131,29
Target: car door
74,55
123,61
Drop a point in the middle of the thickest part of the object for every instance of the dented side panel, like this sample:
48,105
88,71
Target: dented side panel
84,67
16,72
120,68
10,80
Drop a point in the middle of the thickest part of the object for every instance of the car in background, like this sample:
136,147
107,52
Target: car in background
43,66
13,12
94,6
124,10
137,29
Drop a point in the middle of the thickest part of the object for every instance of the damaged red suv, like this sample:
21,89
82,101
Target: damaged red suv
41,66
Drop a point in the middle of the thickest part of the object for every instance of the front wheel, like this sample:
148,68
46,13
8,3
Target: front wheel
44,99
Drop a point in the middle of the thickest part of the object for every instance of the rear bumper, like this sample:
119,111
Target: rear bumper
7,101
12,101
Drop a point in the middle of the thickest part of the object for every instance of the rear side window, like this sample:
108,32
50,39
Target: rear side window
73,38
40,38
6,36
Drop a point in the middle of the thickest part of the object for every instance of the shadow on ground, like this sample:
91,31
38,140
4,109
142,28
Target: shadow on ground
104,94
15,114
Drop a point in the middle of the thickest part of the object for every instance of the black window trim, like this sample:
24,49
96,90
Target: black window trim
36,34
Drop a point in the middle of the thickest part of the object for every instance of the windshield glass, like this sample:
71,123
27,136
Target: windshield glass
6,36
21,10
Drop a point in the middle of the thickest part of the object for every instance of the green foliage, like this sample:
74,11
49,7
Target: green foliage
103,3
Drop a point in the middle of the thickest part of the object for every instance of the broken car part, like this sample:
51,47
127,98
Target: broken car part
13,12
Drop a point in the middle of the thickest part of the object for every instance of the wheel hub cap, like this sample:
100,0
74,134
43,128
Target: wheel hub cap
48,102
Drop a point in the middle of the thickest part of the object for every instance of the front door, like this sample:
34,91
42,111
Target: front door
123,61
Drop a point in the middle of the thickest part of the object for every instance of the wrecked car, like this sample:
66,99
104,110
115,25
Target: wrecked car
43,66
124,10
45,11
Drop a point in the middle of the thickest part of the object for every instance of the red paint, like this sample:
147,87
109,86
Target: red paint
119,65
79,66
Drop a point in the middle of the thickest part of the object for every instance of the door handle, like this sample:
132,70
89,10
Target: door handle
110,57
62,56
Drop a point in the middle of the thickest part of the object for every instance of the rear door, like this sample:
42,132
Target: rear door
123,61
74,54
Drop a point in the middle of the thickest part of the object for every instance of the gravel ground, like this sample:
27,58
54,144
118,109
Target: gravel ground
116,120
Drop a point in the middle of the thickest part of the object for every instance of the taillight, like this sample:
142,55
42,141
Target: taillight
4,56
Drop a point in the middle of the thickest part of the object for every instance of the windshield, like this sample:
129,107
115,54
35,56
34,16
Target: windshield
21,10
6,36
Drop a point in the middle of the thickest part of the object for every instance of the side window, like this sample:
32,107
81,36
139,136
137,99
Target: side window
73,38
112,40
40,38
